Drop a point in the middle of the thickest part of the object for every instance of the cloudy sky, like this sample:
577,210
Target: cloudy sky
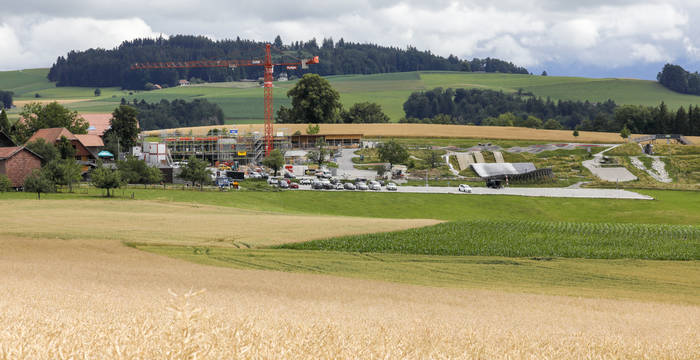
622,38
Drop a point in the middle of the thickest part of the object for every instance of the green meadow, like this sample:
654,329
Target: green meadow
243,102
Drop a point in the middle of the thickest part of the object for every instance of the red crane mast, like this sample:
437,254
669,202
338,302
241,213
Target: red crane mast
268,79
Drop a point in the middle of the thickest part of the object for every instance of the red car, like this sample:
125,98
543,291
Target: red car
293,186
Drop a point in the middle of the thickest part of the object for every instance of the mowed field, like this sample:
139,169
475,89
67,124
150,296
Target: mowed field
242,103
72,288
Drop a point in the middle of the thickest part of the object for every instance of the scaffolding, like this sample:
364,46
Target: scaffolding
216,149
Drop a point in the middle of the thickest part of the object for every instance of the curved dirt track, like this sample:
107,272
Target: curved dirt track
100,299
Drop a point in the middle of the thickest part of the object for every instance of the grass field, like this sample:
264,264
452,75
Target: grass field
669,207
60,275
526,239
243,104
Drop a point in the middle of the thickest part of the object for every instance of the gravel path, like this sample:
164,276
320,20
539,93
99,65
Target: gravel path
657,171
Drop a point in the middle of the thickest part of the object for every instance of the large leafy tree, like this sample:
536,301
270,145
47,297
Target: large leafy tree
274,161
313,101
37,116
364,112
392,152
124,125
63,172
135,171
195,171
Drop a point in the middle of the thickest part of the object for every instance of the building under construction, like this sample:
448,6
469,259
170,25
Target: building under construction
248,149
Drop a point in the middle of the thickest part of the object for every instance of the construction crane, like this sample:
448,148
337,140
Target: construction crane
268,78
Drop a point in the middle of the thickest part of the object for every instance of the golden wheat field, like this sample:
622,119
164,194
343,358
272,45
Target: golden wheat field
72,290
179,223
420,130
76,299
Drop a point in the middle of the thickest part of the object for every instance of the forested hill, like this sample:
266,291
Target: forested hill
103,68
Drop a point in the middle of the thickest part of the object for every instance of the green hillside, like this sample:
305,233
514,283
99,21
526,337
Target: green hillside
243,102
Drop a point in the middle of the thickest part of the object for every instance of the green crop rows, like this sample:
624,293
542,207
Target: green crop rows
527,239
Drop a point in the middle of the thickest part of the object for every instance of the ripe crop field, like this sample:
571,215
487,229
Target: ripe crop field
61,273
420,131
87,299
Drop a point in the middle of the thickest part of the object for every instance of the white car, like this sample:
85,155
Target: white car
374,185
391,186
362,186
465,188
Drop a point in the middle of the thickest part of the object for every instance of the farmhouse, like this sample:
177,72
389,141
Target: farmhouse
183,82
17,162
98,123
86,146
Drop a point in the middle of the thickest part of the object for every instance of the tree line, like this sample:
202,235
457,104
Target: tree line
485,107
495,108
110,67
676,78
177,113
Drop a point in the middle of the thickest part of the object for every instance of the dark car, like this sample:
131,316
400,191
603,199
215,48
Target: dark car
293,186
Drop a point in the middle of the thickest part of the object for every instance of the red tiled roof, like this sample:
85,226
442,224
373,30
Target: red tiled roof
6,152
99,123
52,135
90,140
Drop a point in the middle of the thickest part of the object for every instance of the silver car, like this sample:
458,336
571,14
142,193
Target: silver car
362,186
349,186
339,186
374,185
391,186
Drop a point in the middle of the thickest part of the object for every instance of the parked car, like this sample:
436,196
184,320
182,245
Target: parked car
283,184
360,180
362,186
349,186
317,185
327,185
289,175
465,188
374,185
293,186
339,186
391,186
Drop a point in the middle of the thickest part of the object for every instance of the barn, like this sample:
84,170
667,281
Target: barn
17,162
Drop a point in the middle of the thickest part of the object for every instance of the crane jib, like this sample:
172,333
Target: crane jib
267,63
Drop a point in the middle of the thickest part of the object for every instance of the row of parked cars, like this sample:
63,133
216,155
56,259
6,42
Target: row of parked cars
335,184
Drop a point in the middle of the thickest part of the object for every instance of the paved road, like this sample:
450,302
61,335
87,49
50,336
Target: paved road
346,168
517,191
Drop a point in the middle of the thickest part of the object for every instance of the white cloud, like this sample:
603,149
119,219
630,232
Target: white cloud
38,43
597,33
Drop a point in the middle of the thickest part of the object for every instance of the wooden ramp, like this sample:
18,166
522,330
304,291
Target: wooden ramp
499,156
479,157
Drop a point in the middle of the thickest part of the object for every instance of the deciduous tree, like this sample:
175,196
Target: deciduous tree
392,152
274,161
313,101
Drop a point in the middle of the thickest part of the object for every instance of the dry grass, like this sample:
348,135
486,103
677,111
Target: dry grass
423,130
101,300
179,223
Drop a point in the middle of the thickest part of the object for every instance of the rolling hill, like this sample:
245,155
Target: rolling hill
243,102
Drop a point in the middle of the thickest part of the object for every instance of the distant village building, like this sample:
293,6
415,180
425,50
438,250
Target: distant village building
283,77
183,82
17,163
98,123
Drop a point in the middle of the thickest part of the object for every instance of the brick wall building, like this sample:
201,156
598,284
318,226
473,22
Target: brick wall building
17,163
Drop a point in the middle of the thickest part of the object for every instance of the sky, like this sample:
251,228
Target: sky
596,38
